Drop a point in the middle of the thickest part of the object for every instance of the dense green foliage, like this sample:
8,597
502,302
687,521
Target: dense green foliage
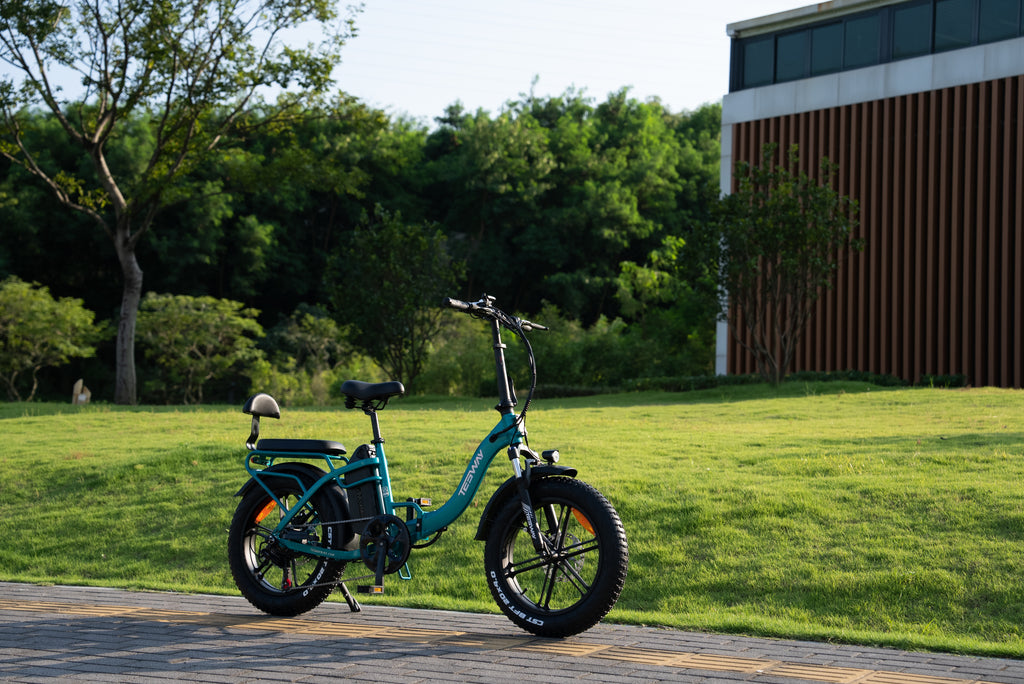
579,211
387,283
37,331
193,340
157,88
835,511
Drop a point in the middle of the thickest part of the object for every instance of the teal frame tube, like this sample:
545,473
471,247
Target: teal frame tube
424,524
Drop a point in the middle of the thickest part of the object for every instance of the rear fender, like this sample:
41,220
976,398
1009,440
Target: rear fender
508,492
306,474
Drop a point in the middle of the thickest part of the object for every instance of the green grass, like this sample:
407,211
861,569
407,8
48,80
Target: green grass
829,511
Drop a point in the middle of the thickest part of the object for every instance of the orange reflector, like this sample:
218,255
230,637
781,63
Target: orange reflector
583,521
265,511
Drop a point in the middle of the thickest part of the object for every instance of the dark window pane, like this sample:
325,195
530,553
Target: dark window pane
862,40
791,56
827,49
911,31
998,20
953,23
757,62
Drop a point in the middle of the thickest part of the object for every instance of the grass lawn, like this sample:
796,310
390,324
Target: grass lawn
828,511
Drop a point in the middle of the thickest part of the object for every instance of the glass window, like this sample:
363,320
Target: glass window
827,49
954,23
757,62
911,30
791,56
998,20
862,38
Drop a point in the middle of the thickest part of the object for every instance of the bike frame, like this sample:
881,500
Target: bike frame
508,433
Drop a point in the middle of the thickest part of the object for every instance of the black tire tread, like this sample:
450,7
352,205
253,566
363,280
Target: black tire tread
614,559
299,600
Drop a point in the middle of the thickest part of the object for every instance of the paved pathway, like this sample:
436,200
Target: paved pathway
91,634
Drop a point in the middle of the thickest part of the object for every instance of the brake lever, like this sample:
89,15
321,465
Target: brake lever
530,326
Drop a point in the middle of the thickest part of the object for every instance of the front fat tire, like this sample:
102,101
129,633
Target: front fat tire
570,593
260,571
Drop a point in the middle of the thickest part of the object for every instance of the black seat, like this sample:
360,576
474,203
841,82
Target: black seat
371,391
303,446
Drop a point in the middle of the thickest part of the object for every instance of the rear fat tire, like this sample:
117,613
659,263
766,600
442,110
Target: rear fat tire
571,591
261,568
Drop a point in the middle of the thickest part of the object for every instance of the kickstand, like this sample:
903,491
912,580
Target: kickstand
349,599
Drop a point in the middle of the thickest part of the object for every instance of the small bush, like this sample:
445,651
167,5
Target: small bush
946,381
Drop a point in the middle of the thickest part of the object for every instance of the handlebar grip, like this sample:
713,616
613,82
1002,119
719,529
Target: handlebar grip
457,304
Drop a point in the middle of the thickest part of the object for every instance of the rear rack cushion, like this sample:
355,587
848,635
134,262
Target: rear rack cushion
302,446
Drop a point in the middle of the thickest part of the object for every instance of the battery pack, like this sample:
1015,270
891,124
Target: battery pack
363,499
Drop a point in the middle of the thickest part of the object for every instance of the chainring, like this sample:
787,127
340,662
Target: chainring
385,534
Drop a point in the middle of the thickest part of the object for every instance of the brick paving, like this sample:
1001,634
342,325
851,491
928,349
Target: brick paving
106,635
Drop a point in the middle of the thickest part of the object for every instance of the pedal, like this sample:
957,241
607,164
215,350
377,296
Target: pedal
371,589
421,502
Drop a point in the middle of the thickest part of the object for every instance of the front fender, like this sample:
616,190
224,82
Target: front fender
508,491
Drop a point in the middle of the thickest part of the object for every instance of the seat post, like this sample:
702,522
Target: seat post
374,424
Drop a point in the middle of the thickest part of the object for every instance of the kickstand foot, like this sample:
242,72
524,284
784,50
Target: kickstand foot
349,599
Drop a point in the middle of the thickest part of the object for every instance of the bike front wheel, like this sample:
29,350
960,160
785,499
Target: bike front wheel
273,578
575,581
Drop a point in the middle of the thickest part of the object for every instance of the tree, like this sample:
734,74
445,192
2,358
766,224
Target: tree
779,234
37,331
197,339
388,285
190,72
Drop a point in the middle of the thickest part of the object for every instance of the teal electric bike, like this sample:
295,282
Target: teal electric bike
555,552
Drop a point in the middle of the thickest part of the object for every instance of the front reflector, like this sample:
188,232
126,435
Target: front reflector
583,521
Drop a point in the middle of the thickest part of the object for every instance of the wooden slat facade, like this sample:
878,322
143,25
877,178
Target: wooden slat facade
939,287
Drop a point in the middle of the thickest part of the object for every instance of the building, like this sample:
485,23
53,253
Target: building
921,104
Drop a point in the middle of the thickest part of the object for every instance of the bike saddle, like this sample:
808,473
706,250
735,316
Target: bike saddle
371,391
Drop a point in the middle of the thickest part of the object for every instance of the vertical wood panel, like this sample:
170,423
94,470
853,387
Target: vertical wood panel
1017,315
882,238
979,226
942,284
930,222
919,191
1006,314
956,323
863,324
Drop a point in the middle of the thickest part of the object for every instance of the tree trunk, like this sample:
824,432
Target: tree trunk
125,382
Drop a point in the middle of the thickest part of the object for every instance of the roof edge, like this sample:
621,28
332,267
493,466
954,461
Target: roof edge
802,16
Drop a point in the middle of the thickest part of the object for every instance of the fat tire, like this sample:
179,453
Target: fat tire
572,593
249,549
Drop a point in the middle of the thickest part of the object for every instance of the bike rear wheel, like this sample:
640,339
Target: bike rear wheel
569,589
273,578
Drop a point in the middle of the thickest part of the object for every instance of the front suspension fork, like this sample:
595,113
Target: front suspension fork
540,543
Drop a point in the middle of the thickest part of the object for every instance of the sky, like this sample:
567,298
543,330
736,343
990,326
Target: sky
416,57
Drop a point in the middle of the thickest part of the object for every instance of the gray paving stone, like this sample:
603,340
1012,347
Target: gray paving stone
222,639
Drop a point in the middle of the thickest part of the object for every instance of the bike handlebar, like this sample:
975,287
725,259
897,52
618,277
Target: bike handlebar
457,304
485,308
